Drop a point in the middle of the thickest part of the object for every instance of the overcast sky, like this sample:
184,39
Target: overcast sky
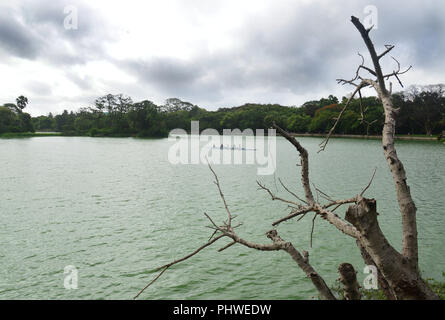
210,52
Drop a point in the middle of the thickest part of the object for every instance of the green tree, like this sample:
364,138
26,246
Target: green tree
22,101
8,120
299,123
323,121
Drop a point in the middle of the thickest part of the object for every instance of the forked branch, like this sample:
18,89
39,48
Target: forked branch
226,230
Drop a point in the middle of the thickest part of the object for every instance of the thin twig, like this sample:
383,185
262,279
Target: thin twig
324,143
229,215
369,183
313,225
168,265
292,193
227,246
151,282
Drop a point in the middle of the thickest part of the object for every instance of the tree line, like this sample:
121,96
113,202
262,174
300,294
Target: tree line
421,110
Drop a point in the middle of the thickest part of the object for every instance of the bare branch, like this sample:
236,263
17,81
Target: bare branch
357,73
273,195
369,184
293,215
214,224
303,263
213,234
291,192
312,230
229,215
341,202
168,265
227,246
388,49
396,73
338,222
151,282
304,163
324,143
368,69
372,52
323,194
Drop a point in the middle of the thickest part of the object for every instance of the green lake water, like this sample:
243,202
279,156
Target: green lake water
116,209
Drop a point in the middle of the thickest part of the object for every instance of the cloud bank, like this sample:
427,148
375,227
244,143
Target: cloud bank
212,53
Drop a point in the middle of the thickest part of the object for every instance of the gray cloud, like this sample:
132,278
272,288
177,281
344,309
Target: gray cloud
300,49
35,30
15,37
293,55
38,88
290,51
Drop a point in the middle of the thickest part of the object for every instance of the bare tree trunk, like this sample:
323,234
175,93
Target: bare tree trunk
406,203
348,278
405,281
383,284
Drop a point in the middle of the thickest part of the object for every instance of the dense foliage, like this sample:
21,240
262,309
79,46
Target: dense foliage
421,111
13,119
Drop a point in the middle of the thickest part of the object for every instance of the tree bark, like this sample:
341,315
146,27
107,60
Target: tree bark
383,284
303,263
403,278
406,203
348,278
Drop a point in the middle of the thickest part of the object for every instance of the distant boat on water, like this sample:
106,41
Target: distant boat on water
233,148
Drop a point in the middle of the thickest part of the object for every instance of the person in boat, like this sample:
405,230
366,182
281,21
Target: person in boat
221,147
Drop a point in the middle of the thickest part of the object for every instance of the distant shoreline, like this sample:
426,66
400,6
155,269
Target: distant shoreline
10,135
376,137
315,135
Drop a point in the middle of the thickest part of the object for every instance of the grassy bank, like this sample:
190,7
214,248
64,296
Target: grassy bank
10,135
436,285
14,135
416,137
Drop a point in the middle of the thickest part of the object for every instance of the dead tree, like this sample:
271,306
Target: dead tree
348,278
399,269
398,272
226,230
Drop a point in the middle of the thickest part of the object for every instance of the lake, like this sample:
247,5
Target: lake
115,208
